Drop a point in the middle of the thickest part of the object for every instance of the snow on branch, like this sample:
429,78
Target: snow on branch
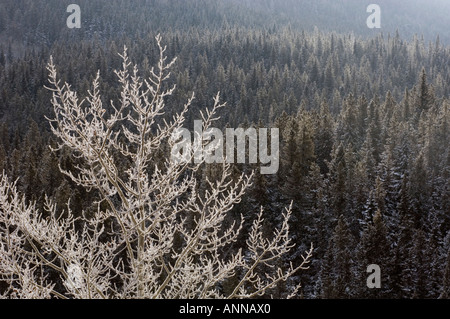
169,236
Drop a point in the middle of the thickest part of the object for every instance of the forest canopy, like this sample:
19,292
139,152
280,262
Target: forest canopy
363,117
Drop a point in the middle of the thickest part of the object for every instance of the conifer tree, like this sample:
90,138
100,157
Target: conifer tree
420,265
342,243
374,248
445,270
323,137
425,97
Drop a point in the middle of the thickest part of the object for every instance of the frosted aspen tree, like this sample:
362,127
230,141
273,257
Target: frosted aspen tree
153,234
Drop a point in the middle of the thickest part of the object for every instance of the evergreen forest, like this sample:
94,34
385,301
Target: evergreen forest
363,116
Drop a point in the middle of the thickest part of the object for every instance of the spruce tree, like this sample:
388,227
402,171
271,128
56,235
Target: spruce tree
323,137
420,265
374,248
425,97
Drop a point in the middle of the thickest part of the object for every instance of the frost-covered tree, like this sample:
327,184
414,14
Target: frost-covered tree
153,232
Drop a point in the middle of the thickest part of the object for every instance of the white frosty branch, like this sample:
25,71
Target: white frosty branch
169,236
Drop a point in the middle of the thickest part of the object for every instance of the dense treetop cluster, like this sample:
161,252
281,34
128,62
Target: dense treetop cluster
363,121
